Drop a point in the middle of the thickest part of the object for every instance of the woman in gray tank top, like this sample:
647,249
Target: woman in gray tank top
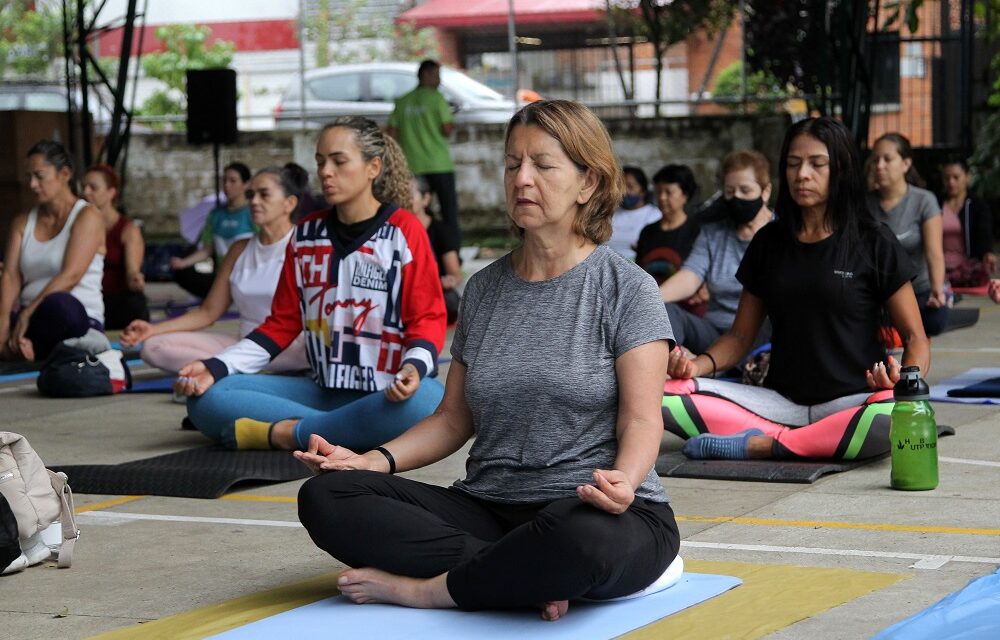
559,362
51,287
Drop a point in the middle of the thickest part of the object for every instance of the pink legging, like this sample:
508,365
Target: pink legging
171,351
851,433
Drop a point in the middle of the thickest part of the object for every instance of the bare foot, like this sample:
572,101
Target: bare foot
555,610
760,446
283,436
370,586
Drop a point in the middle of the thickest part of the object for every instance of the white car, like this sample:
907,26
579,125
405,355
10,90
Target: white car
371,90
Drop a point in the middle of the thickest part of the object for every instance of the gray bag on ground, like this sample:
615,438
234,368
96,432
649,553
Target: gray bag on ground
37,496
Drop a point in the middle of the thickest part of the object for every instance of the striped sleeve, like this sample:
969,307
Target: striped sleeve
423,311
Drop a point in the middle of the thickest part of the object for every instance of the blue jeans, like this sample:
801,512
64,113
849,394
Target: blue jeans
353,419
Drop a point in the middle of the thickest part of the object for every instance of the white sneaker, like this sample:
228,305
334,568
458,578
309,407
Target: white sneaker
35,549
19,564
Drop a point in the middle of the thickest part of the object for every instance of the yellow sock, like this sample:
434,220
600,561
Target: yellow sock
252,434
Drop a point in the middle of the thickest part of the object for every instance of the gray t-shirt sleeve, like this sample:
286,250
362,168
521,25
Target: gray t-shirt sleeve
699,260
926,204
641,316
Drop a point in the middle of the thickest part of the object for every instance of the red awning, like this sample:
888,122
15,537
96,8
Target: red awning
452,14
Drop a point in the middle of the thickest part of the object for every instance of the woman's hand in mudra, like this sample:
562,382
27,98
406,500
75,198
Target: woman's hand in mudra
881,376
322,456
611,491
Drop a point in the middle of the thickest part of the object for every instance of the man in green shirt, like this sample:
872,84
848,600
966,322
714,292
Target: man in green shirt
422,122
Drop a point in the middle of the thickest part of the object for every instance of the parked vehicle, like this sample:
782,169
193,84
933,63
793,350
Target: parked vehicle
371,90
32,96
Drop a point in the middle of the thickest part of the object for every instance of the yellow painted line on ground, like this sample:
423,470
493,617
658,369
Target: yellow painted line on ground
825,524
241,498
104,504
788,593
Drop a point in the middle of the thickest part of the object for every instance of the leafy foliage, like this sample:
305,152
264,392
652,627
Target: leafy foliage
186,48
666,22
30,39
760,84
352,34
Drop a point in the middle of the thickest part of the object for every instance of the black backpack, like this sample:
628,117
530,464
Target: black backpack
73,373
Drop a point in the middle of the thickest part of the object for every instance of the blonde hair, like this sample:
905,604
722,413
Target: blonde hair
587,143
396,185
748,159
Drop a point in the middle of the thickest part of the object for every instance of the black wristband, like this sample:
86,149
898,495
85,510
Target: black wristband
388,456
714,366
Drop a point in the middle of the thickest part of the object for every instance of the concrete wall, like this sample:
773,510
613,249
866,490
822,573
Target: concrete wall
166,175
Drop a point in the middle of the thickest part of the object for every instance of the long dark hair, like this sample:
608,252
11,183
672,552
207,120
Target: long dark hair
846,211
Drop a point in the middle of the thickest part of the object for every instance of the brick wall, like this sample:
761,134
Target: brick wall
166,175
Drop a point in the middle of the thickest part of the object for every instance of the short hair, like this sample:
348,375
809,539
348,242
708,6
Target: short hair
427,65
111,179
53,153
588,145
292,179
108,173
239,168
679,174
748,159
639,175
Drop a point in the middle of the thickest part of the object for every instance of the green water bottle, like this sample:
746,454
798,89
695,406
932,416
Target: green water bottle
913,434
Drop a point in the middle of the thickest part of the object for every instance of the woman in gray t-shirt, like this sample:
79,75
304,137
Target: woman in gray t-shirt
559,361
914,216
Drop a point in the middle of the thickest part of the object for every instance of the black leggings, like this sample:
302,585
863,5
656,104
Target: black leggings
496,555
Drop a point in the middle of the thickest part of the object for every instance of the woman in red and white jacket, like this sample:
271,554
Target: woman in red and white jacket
361,283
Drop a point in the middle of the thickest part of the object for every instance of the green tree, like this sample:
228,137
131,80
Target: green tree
186,48
666,23
760,84
985,160
349,33
30,39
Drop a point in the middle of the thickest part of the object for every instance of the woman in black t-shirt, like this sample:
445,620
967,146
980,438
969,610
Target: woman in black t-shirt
823,273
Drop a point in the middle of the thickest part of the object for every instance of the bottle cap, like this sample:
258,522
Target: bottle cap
911,386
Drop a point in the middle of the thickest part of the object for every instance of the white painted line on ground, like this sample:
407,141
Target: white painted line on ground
967,350
923,561
117,517
981,463
21,387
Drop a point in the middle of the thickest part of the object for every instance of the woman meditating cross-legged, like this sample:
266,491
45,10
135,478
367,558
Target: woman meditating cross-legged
247,277
559,356
360,281
822,273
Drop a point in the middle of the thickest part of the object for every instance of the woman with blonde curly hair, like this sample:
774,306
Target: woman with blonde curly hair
360,281
560,355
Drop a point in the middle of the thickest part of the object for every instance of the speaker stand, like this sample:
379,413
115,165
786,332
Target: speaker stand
215,156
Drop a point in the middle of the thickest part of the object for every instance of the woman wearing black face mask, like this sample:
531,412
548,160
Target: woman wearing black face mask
633,214
718,251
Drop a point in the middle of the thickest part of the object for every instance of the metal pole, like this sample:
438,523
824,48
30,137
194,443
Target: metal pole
512,42
88,152
67,55
743,57
302,65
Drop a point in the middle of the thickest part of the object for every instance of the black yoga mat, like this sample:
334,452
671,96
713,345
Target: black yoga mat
205,472
961,318
986,389
676,465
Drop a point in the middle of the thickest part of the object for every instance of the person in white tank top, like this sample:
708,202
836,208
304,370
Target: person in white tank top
55,262
247,277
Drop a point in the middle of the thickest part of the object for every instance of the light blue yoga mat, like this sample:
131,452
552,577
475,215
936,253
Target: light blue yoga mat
970,614
339,617
939,392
